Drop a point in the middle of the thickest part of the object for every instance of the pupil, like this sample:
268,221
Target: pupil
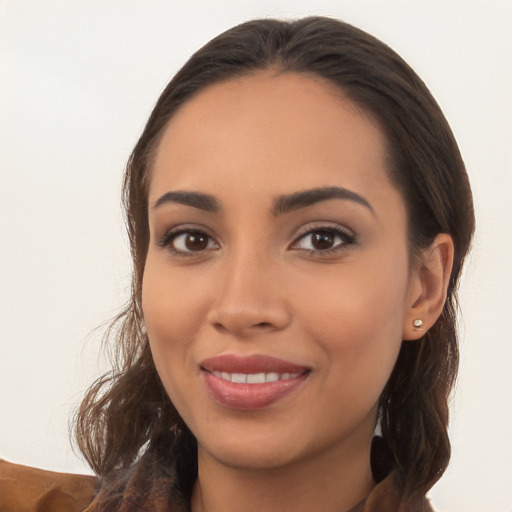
196,242
323,240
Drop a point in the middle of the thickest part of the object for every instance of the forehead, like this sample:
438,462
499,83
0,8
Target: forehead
287,130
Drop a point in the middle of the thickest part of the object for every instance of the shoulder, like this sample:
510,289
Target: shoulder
27,489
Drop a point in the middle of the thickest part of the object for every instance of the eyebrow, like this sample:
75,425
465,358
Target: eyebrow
195,199
283,204
302,199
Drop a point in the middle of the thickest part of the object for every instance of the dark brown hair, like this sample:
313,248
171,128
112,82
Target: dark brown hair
127,415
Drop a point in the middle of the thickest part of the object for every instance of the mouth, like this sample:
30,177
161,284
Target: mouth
250,383
254,378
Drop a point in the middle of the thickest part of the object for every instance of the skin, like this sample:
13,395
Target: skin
259,285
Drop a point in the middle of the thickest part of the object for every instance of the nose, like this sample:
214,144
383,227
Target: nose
251,298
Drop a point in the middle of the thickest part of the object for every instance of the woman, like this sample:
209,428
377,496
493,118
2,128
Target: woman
299,214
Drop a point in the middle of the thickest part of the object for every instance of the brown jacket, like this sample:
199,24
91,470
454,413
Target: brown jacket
26,489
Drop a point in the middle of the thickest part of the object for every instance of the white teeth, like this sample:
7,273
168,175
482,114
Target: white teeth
254,378
271,377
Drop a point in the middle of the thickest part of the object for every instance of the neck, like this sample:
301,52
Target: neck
330,482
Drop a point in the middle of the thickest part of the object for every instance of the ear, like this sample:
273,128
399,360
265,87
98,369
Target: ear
428,286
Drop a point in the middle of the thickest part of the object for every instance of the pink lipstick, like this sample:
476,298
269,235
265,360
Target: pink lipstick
251,382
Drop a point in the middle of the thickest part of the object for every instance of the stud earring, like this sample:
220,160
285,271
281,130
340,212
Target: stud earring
418,323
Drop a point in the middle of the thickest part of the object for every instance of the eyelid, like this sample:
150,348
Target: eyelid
323,226
347,236
165,241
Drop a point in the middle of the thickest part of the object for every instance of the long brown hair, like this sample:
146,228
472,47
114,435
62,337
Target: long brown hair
126,414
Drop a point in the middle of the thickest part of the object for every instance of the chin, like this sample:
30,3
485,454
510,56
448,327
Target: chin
241,450
248,458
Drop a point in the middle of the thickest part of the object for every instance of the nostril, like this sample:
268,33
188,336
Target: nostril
239,328
244,320
263,324
220,327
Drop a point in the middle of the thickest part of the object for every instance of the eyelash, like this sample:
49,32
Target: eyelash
170,236
347,239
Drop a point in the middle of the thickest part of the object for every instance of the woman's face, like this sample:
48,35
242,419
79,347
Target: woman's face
277,280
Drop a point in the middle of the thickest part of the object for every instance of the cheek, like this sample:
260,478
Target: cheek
172,311
366,296
356,318
172,303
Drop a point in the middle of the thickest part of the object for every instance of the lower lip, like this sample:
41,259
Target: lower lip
250,396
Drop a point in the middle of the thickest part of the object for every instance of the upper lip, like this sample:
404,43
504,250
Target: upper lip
232,363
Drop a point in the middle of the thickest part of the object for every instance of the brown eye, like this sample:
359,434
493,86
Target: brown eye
196,241
322,240
188,242
325,240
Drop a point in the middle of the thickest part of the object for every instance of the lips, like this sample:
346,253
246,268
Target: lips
251,382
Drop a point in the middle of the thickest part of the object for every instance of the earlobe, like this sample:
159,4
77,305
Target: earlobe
428,288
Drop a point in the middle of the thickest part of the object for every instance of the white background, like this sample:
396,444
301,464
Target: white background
77,82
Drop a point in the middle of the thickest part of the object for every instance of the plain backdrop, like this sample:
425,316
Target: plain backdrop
77,82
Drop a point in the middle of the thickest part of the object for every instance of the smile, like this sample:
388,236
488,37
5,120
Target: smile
254,378
249,383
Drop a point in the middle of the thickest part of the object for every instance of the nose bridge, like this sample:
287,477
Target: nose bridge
249,294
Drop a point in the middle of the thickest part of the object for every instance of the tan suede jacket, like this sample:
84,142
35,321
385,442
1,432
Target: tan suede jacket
26,489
